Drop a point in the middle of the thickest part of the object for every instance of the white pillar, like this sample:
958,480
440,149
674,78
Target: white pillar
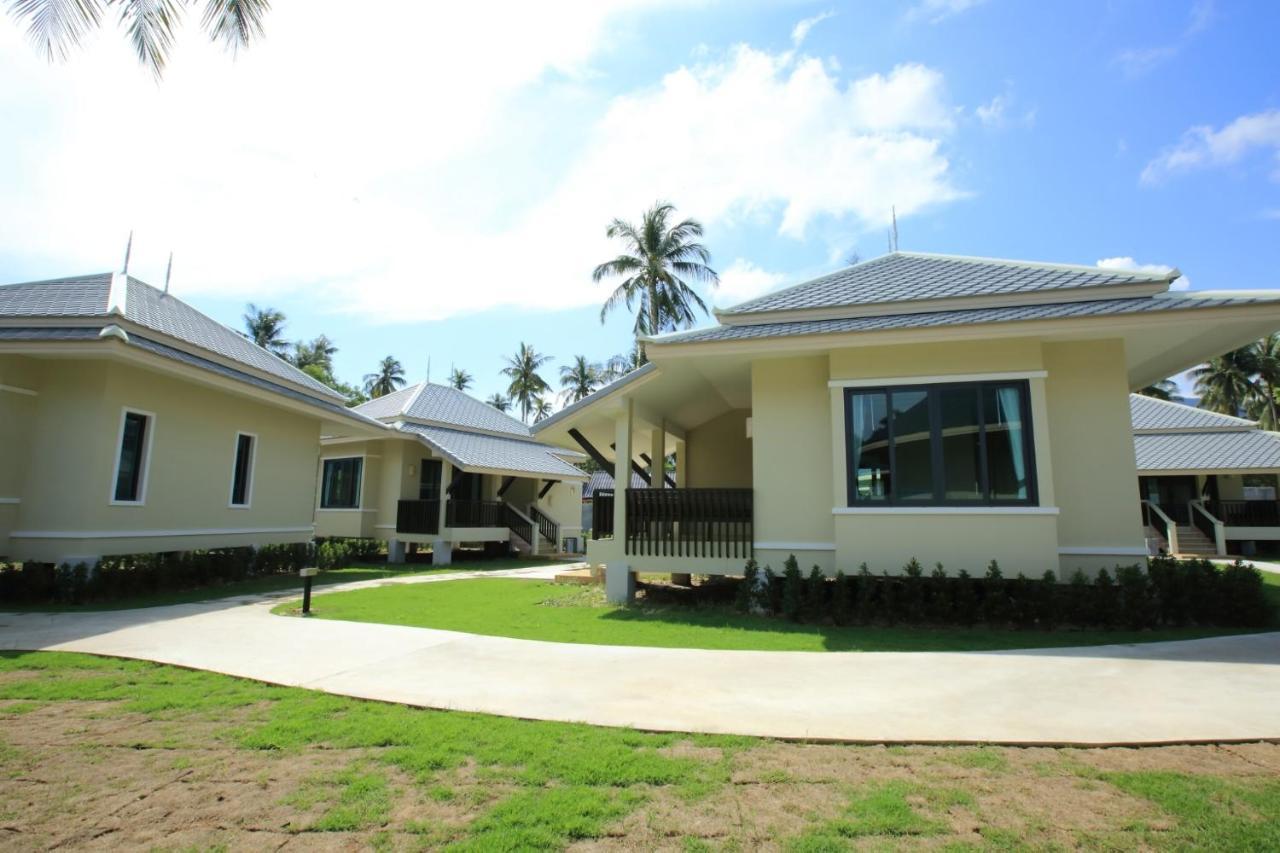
682,467
441,552
658,457
395,551
621,471
446,477
619,583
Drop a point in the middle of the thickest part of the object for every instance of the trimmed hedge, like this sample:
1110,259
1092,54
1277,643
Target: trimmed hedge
1169,593
127,576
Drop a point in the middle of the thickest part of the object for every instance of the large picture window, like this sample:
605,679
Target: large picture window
340,484
957,444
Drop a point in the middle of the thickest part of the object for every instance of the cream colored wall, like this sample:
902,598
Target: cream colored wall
791,458
73,445
719,454
376,486
17,417
564,505
1095,473
1019,543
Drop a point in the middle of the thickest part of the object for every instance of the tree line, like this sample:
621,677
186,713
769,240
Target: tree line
659,259
1242,382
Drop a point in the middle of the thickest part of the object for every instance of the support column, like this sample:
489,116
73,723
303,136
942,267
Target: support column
441,552
446,477
619,582
682,467
395,551
658,457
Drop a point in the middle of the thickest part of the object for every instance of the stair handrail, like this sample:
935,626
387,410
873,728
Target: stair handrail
1219,528
529,525
547,526
1170,526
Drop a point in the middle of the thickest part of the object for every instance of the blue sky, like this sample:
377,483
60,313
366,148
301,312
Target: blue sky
440,192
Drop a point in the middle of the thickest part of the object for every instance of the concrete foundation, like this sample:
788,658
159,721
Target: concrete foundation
395,551
441,553
619,583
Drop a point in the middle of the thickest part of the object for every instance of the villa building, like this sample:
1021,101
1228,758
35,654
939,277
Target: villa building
952,410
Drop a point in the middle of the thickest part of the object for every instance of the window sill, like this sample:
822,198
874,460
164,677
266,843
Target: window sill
945,510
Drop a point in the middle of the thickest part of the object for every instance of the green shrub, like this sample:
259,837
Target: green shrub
1106,606
744,598
863,595
816,606
995,601
792,589
770,593
842,599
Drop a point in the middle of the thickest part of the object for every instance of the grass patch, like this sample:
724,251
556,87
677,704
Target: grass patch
537,610
268,584
382,776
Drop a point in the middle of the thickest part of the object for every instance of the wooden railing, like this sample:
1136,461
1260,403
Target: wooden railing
1154,517
602,514
517,523
474,514
418,517
547,527
709,523
1246,513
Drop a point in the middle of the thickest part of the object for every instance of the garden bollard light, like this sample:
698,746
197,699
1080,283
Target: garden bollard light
307,575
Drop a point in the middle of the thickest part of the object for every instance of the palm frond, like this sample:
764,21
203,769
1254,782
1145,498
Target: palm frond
235,23
152,27
57,26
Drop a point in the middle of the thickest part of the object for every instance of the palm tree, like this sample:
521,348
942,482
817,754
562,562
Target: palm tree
541,409
318,353
621,364
57,26
1263,406
499,402
265,327
1225,383
579,379
526,385
460,379
658,261
1162,390
389,377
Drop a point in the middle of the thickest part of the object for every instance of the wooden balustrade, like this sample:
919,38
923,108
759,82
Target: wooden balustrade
707,523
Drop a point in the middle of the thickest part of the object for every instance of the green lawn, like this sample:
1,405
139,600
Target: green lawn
272,583
536,610
141,756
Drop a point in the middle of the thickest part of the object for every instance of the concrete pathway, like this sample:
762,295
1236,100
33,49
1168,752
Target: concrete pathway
1218,689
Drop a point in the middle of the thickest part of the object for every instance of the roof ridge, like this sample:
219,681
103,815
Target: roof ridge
422,386
1173,273
62,279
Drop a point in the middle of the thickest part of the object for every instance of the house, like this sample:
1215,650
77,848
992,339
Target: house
448,470
953,410
602,482
1207,481
132,423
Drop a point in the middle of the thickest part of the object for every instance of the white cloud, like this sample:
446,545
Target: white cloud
801,30
1137,61
421,177
1127,263
1001,112
934,11
744,280
1203,147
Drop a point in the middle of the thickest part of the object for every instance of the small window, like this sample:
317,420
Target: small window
242,471
429,480
131,463
340,486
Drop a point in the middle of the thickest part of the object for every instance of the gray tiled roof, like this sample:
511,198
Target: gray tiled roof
1207,451
604,480
478,450
442,404
88,333
906,276
931,319
1148,413
145,306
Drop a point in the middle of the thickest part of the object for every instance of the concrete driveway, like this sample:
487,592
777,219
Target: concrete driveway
1220,689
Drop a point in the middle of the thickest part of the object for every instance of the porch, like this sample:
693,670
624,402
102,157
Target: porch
1189,515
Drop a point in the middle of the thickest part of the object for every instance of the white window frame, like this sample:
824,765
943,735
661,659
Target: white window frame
253,462
148,443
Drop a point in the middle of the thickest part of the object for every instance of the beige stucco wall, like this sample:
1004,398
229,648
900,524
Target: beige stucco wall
377,486
1092,448
718,453
73,439
791,429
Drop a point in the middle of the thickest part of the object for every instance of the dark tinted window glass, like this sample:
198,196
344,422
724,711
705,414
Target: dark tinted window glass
133,444
341,484
912,446
429,481
869,446
961,444
1008,465
241,473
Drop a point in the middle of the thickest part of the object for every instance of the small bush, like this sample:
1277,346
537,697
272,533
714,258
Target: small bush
792,589
744,599
816,606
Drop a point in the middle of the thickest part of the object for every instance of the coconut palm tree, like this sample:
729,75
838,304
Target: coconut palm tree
658,262
499,402
621,364
1263,406
542,409
265,327
318,353
460,379
1225,384
389,377
526,385
1162,390
579,379
57,26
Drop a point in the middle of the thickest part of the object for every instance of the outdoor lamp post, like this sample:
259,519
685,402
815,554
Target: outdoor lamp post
307,575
